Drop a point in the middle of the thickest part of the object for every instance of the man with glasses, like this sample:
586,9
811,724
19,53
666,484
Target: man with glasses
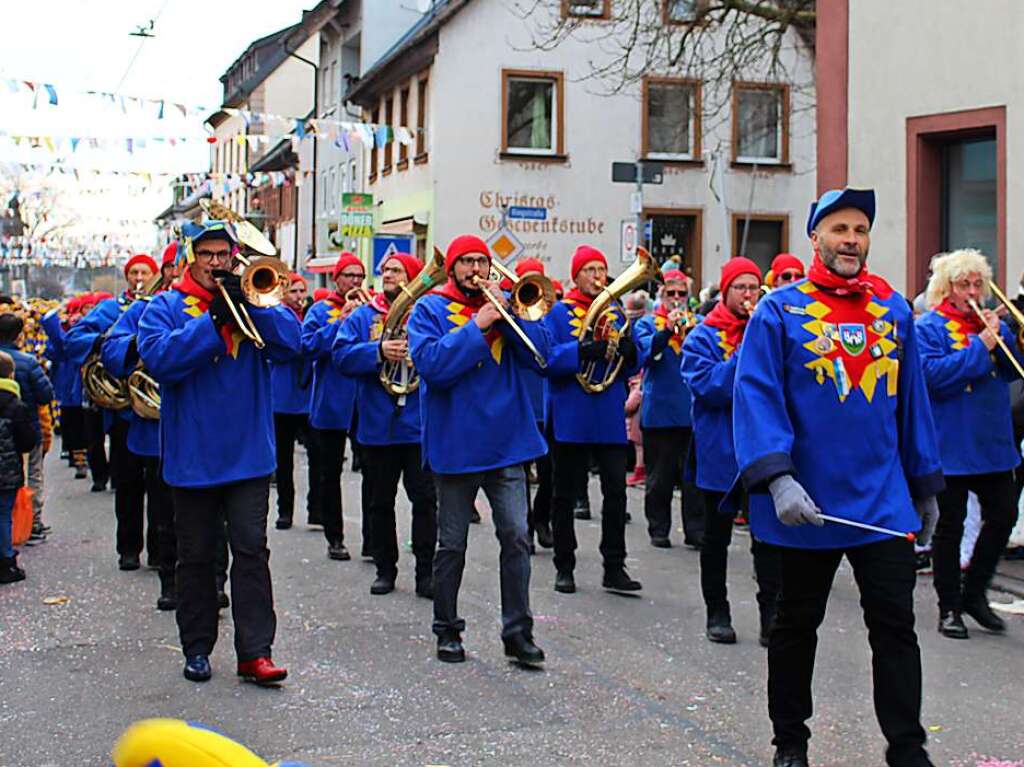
586,424
478,431
786,269
709,368
217,445
333,397
665,413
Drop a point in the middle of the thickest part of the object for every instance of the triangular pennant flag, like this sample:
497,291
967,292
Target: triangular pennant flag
300,129
52,93
160,112
74,143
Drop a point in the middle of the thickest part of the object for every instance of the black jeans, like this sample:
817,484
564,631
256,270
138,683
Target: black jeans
997,495
383,467
540,507
332,457
288,428
714,556
571,464
161,517
197,514
132,487
95,445
665,459
885,576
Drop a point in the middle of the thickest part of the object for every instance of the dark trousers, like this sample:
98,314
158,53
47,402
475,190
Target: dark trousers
665,453
714,556
571,464
161,517
540,507
885,576
128,471
383,466
997,495
288,428
332,457
197,514
359,454
95,445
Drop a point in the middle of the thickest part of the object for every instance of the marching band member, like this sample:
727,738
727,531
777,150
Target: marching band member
587,424
170,267
217,443
126,469
291,393
67,382
470,365
832,417
968,382
709,370
786,268
665,413
389,432
333,398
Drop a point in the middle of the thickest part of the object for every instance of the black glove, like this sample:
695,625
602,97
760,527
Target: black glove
593,350
131,355
219,311
660,341
232,284
628,350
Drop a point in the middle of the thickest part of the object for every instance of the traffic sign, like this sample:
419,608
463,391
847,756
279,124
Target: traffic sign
528,214
625,172
384,247
627,252
505,245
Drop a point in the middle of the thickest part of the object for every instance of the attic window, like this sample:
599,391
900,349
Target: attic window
586,9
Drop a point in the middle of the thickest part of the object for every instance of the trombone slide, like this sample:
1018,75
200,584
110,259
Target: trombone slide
505,315
999,341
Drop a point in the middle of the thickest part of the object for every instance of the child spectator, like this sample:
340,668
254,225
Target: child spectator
18,435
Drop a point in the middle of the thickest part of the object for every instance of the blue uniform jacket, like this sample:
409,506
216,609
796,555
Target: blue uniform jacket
79,341
666,398
474,401
333,396
62,374
216,415
290,384
357,354
579,417
830,390
708,369
35,386
143,433
970,396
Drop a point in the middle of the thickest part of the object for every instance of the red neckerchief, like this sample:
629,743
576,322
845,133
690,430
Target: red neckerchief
663,312
580,298
722,318
452,291
380,303
970,322
187,285
863,282
296,312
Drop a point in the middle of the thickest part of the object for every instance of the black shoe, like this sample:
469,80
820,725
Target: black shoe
619,580
581,512
10,572
719,628
523,650
475,518
545,539
951,624
128,562
98,487
694,544
338,552
223,603
790,757
38,535
564,582
977,607
197,668
167,599
81,472
923,562
425,588
283,523
384,584
660,542
450,649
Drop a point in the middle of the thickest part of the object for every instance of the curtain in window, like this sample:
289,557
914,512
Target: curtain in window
668,118
759,124
529,114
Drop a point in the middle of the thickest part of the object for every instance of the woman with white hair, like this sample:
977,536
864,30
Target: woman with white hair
968,384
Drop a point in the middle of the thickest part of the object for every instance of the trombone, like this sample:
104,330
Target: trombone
533,295
1017,315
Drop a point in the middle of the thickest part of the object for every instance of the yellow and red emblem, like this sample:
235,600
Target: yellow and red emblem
460,314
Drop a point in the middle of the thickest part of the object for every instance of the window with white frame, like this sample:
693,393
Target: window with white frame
532,111
586,8
681,11
760,123
670,118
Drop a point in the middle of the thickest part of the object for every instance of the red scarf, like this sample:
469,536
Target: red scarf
380,303
662,311
863,282
970,322
578,297
722,318
452,291
190,287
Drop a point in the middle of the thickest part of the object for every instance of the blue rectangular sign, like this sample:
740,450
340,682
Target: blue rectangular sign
385,247
530,214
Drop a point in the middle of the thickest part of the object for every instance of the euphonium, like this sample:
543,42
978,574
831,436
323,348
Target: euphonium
144,393
103,389
400,378
599,323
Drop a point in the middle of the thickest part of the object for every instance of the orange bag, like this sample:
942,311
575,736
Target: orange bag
21,517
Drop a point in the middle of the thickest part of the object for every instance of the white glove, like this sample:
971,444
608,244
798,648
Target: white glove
792,504
928,510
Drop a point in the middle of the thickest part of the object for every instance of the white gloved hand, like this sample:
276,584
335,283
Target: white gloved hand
928,510
792,504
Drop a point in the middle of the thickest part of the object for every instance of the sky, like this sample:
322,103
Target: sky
85,45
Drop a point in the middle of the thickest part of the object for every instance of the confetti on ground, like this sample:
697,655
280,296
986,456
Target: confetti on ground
935,728
999,763
60,600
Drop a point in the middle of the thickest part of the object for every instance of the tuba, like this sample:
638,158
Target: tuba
601,322
144,394
400,378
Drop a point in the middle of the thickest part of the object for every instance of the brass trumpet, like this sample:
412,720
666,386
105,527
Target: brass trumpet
533,295
264,281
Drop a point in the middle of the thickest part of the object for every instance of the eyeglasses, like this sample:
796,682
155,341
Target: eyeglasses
593,271
353,275
745,288
789,276
212,255
677,293
482,261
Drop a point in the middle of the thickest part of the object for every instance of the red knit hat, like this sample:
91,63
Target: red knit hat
141,258
296,277
781,263
74,304
102,295
463,245
345,259
557,285
320,294
584,255
170,254
674,275
733,268
411,264
529,265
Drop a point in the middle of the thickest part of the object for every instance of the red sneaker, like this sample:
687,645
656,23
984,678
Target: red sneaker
261,671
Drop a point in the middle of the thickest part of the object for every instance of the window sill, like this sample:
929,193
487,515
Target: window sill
421,158
518,157
683,162
775,167
403,164
386,171
371,178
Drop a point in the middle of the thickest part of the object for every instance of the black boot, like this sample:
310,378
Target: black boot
167,600
617,579
720,628
384,584
521,648
450,649
951,624
977,607
9,570
790,757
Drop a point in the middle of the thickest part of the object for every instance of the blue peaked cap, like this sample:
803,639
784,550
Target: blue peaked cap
193,232
837,199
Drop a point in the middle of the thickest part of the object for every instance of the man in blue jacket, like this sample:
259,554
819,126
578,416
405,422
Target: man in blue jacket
709,370
389,430
217,444
478,430
831,416
587,424
333,397
968,382
665,414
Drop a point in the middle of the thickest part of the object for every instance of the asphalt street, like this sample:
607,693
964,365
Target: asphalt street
629,680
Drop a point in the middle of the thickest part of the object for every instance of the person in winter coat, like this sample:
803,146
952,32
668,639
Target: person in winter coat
18,435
